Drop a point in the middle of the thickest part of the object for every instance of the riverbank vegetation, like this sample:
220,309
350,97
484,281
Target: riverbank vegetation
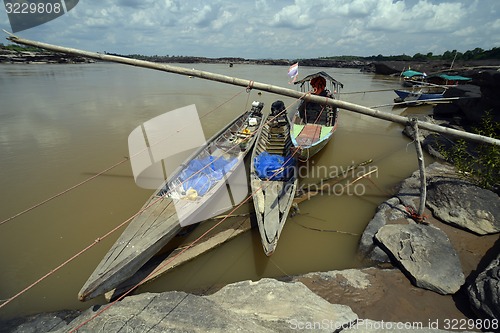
20,48
475,54
478,163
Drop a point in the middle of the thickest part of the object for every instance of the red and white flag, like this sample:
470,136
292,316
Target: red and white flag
293,72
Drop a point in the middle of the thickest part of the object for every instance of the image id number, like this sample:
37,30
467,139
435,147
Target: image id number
467,324
33,8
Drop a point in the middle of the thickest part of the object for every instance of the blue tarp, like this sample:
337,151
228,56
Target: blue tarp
203,173
273,167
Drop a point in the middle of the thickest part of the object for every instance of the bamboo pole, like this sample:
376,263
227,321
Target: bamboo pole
421,166
259,86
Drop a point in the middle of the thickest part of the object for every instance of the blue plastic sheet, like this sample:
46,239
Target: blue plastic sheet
202,174
273,167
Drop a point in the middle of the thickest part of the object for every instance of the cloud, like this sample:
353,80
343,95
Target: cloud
294,16
274,28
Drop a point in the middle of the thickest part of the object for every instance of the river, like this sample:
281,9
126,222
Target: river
61,124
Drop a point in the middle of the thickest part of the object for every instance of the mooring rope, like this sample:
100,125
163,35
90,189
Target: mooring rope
75,329
105,170
185,248
98,239
75,256
114,230
111,232
64,192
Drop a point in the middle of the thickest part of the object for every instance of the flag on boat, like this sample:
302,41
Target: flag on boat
293,72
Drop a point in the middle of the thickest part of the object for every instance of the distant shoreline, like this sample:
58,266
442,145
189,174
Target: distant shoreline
379,67
46,57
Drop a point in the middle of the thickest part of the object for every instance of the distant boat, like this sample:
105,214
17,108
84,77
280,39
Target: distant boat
445,79
411,78
313,125
419,95
273,176
199,187
430,88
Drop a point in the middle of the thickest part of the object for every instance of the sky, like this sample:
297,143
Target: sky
272,29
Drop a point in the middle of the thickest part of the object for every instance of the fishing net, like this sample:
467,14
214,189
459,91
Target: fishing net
202,174
273,167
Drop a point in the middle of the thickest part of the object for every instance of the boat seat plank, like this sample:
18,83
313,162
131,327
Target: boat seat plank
271,209
285,197
258,195
160,207
309,134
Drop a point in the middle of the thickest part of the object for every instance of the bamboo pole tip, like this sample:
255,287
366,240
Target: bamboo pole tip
9,33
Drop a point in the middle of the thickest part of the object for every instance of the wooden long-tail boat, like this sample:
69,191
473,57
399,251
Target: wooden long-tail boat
314,124
418,95
196,190
273,176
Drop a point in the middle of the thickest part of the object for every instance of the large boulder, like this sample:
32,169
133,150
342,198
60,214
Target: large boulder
484,291
282,307
465,205
425,254
387,212
396,210
264,306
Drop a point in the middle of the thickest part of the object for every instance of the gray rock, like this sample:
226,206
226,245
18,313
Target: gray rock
465,205
282,307
387,211
264,306
170,311
351,277
484,291
42,322
409,191
425,254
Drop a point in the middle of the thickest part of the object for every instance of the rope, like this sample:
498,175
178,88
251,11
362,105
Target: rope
104,171
74,256
168,261
178,254
89,246
114,230
64,192
250,86
324,230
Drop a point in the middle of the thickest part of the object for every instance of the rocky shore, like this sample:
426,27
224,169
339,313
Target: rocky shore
435,277
441,276
42,57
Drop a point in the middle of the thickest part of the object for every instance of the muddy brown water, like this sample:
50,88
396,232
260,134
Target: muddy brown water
61,124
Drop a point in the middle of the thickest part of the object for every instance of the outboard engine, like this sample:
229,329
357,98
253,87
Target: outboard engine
257,108
277,107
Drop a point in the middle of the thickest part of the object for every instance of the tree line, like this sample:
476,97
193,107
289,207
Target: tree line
476,54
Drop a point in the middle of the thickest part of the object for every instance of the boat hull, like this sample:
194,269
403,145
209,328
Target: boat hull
273,179
172,206
306,146
313,124
419,95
